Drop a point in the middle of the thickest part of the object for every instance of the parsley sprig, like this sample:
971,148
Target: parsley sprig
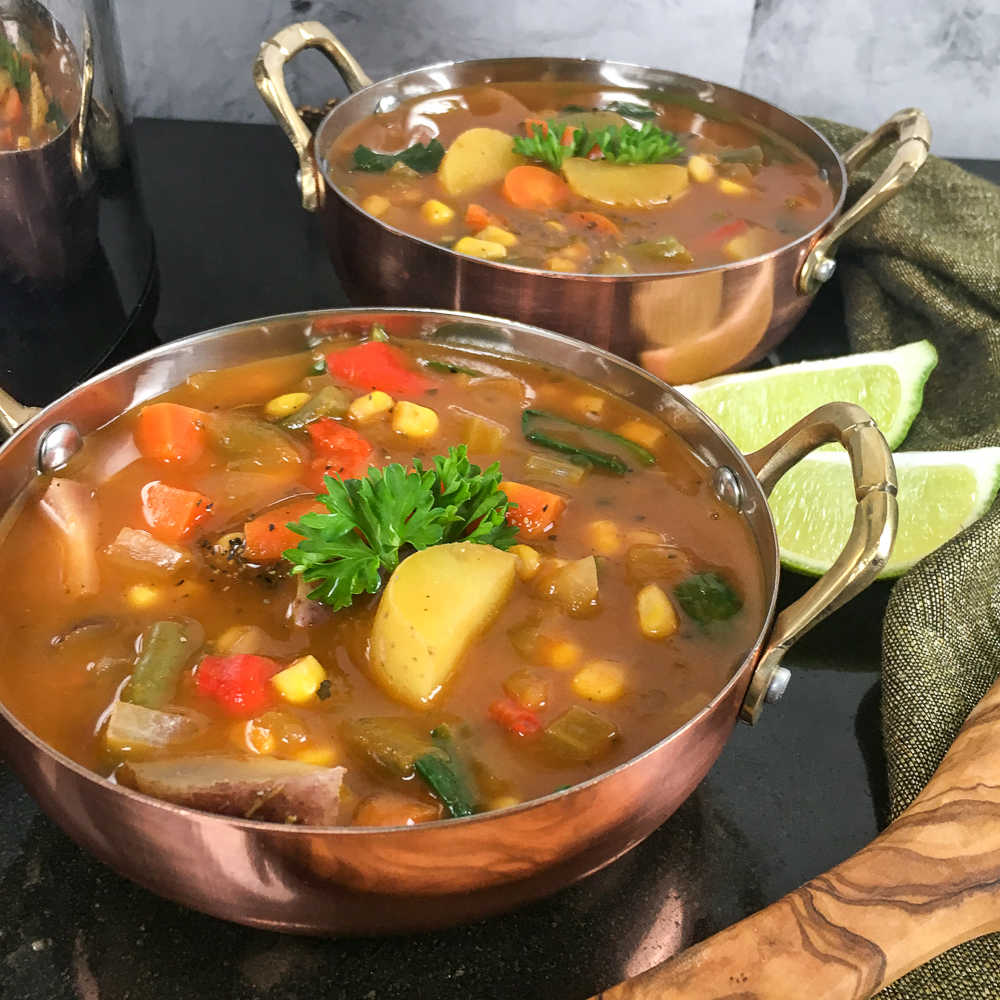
372,522
616,143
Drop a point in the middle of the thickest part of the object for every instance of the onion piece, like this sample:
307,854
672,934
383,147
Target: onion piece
137,727
70,507
573,585
304,613
132,546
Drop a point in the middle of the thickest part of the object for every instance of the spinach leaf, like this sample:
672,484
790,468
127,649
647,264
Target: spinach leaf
707,598
423,159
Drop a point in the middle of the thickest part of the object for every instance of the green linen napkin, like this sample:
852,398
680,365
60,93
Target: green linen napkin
927,264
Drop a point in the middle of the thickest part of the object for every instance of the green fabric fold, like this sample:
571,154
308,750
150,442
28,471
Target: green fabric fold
927,265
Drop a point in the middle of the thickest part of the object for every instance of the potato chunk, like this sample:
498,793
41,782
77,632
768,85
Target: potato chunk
434,605
626,185
479,156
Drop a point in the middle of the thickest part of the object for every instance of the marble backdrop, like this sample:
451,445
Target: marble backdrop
856,60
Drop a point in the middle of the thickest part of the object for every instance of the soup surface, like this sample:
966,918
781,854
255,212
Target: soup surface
462,654
565,177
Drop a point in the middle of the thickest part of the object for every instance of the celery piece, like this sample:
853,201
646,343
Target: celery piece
579,734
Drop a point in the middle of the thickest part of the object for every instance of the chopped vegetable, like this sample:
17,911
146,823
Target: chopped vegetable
535,512
172,513
554,470
579,734
69,506
669,248
251,444
478,157
528,688
594,222
414,421
435,604
550,144
599,680
370,405
496,234
573,585
707,598
376,365
657,618
239,683
605,538
165,651
135,727
299,681
631,110
392,809
752,156
135,546
447,775
340,451
528,561
484,249
390,743
625,185
514,718
268,535
648,563
580,442
425,159
370,520
449,369
328,402
534,188
477,217
436,212
168,432
285,405
16,65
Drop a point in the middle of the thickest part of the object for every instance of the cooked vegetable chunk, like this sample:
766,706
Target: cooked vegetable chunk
478,157
625,185
435,604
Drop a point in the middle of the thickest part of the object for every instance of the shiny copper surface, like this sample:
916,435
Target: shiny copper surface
683,326
358,880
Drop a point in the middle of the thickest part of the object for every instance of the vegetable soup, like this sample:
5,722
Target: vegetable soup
569,178
374,583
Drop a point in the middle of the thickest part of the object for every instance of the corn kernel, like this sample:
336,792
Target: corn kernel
657,617
641,433
143,596
562,264
503,802
496,234
605,538
600,680
486,249
528,561
24,142
414,420
370,405
643,536
589,406
286,405
299,681
556,227
560,654
727,186
437,213
324,756
700,170
376,204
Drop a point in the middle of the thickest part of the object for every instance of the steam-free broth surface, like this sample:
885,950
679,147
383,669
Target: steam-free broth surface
573,646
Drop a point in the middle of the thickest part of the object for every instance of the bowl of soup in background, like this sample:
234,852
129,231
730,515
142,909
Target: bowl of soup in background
682,321
363,879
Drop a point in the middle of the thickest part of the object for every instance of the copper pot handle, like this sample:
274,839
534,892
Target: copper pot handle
269,75
912,130
866,551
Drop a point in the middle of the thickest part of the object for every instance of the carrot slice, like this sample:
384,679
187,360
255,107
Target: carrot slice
267,535
169,432
535,188
595,222
172,513
531,123
537,510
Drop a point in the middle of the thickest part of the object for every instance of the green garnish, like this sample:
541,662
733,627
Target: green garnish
423,159
616,144
447,775
581,442
640,111
707,598
450,369
12,61
373,521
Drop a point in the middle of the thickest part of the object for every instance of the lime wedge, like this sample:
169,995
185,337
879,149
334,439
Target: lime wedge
755,407
940,493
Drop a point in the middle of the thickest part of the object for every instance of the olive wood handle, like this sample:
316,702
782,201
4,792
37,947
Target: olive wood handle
929,882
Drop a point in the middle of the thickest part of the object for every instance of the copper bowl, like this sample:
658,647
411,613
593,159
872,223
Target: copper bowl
682,326
355,880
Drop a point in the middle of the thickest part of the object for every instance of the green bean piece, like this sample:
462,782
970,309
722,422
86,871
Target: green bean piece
581,442
167,646
328,402
669,249
449,369
579,734
391,744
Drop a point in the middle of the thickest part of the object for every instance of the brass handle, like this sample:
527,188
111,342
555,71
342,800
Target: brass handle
13,413
872,535
269,75
78,137
913,131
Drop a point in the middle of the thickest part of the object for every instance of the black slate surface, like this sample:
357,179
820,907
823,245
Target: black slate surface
786,800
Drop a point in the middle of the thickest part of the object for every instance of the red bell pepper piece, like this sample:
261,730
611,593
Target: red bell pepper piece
340,451
240,683
726,231
514,717
377,365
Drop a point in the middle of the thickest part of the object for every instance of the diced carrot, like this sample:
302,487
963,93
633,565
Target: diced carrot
531,124
477,217
12,107
515,718
172,513
340,451
567,138
594,221
377,365
169,432
268,535
596,153
535,188
537,510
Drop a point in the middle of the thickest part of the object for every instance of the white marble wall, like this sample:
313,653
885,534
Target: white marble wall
857,60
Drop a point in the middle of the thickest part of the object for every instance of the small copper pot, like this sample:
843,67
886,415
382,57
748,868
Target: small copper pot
682,326
356,880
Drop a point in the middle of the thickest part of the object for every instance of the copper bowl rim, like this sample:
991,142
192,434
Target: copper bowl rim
593,65
743,665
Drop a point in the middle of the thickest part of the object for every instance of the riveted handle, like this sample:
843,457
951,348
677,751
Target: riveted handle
269,75
913,132
867,550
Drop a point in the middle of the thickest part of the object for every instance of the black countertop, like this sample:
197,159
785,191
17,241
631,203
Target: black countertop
786,800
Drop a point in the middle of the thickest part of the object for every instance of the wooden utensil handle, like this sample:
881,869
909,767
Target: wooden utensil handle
930,881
